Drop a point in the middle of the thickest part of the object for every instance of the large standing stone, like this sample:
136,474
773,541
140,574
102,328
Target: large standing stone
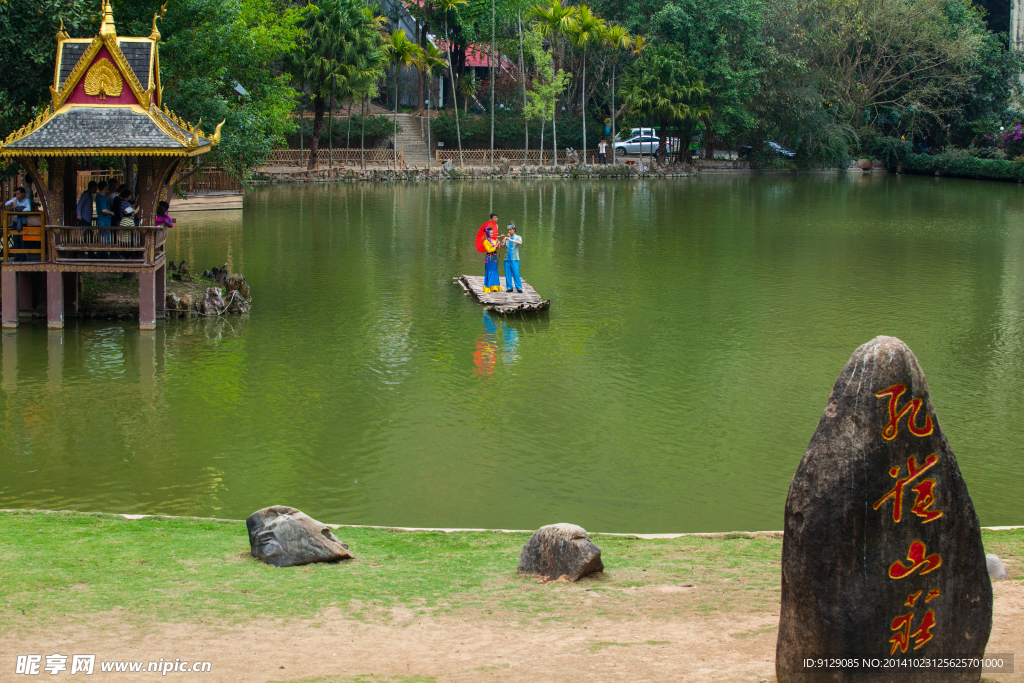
559,550
284,537
882,552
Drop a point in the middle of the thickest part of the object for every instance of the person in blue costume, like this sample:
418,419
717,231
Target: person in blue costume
512,242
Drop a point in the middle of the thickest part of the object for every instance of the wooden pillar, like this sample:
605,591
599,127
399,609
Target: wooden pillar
54,299
9,285
160,293
147,300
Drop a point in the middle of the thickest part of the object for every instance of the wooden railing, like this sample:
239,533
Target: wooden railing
342,157
209,180
30,236
516,156
212,180
136,245
84,177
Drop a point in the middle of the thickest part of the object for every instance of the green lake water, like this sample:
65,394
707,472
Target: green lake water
695,332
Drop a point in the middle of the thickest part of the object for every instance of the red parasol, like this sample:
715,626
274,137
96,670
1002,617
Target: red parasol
482,233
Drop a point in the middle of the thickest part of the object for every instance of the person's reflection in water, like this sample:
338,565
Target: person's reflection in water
486,348
509,344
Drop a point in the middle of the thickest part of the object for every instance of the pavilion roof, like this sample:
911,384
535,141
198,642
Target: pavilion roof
106,99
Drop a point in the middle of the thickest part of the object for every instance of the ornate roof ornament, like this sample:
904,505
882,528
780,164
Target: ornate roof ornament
155,34
107,27
62,35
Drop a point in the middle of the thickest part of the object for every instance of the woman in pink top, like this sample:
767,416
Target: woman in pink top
161,215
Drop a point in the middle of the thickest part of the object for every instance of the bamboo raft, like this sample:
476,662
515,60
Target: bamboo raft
503,302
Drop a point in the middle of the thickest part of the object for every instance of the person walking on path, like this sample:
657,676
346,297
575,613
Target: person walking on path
512,243
602,151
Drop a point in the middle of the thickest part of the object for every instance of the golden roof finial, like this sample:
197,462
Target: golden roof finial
62,35
107,23
215,138
155,34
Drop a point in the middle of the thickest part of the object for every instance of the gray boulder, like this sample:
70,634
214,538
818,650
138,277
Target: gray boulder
882,553
996,568
560,550
285,537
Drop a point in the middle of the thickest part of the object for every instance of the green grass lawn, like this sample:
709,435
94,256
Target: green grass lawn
73,565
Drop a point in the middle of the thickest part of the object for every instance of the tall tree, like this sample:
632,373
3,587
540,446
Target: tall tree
548,85
342,39
429,61
663,87
615,38
554,22
401,52
448,7
585,29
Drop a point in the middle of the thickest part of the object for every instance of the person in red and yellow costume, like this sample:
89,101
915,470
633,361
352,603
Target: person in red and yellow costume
487,242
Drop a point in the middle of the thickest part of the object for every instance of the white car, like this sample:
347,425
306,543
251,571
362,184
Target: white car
640,144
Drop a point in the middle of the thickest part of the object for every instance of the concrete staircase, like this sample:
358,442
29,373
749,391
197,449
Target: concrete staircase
411,142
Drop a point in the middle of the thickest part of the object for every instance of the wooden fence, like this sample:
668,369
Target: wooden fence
342,157
209,180
515,156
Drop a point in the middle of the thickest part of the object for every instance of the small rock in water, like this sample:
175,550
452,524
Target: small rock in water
882,552
237,283
996,568
213,302
559,550
285,537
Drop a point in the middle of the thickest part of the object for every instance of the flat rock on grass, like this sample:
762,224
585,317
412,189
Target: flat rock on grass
559,550
285,537
882,553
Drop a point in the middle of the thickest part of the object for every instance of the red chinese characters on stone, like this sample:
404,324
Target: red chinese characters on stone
919,559
912,406
925,491
921,635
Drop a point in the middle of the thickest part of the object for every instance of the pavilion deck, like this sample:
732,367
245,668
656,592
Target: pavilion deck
49,268
503,302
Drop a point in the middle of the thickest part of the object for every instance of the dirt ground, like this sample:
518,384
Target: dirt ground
471,645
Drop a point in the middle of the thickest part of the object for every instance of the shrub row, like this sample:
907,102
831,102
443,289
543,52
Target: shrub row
377,128
962,164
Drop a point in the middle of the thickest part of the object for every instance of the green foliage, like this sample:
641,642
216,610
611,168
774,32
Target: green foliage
28,49
963,164
509,131
378,128
662,86
548,85
726,42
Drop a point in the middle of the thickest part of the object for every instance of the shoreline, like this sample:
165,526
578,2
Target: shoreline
270,175
447,530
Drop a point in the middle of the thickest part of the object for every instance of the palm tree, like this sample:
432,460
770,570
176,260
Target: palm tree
447,6
400,51
429,62
663,86
584,29
553,21
616,38
341,35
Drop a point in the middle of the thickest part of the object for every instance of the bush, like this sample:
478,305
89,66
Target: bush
962,164
377,128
